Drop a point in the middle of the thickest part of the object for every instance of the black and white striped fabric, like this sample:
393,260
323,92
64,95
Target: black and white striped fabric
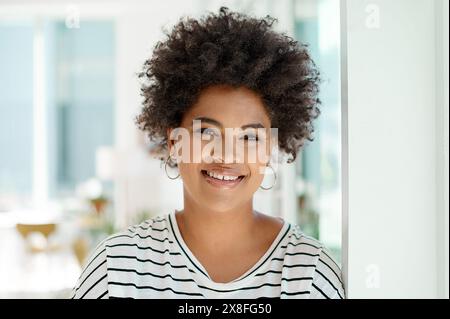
151,260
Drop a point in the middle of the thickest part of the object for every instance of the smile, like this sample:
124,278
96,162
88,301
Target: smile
222,180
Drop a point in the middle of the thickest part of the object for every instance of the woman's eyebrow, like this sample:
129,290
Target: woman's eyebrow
252,125
208,120
217,123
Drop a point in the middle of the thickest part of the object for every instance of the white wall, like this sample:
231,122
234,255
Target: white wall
442,140
391,171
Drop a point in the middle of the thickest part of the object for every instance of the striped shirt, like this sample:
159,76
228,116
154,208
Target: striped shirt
151,260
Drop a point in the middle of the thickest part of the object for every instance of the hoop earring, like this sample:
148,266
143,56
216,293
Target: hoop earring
165,169
274,182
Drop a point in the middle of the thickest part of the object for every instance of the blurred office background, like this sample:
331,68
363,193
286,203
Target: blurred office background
73,166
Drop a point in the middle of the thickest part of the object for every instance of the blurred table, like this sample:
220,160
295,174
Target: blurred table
26,274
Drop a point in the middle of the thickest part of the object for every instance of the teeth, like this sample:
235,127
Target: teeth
222,177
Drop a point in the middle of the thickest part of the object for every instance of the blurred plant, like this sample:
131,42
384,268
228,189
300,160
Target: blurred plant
309,217
109,227
99,203
142,216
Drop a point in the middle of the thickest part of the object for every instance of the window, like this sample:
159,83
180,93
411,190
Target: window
16,111
82,106
56,106
319,170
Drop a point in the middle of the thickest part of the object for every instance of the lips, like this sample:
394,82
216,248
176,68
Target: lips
221,178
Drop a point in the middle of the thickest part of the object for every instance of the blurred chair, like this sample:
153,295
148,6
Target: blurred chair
36,244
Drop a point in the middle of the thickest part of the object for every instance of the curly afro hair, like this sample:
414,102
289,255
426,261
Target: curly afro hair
233,49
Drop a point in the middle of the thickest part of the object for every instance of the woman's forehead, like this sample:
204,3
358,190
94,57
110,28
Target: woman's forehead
232,107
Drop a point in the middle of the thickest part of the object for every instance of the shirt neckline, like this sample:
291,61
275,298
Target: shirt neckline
241,280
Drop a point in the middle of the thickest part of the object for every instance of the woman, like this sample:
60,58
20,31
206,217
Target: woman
224,71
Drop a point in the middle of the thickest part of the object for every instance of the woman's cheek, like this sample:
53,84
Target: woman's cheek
256,177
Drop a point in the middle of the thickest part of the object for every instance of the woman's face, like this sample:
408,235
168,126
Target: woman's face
229,145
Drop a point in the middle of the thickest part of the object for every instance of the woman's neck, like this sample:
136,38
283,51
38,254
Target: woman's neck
217,230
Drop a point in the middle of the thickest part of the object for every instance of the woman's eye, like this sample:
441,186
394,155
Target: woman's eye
207,131
250,137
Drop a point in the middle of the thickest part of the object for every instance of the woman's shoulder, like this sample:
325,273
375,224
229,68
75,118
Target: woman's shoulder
327,273
117,251
299,242
154,230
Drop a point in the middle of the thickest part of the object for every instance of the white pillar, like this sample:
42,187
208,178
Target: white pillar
393,169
